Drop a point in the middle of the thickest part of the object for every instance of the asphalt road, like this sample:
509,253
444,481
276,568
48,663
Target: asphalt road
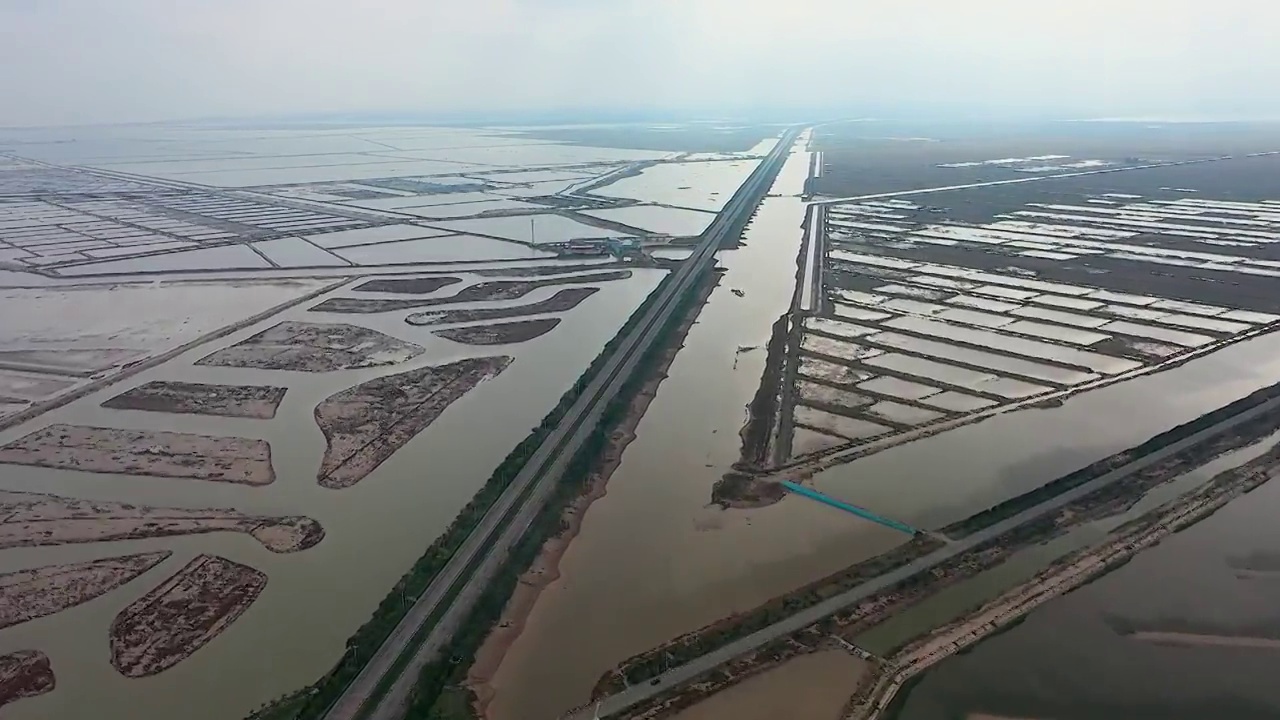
620,702
452,594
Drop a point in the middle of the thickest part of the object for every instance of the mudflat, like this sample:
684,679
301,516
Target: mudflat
314,347
366,424
180,616
246,401
37,519
30,594
144,452
500,333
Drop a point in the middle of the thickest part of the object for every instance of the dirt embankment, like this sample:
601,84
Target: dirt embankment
314,347
144,452
740,490
546,568
243,401
489,291
36,519
177,618
366,424
30,594
763,409
543,270
24,674
500,333
563,300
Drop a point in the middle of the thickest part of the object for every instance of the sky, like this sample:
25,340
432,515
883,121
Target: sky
103,61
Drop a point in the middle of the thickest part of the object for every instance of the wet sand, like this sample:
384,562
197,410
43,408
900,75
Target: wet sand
809,687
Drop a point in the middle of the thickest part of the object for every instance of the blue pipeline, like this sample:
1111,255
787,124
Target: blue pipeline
865,514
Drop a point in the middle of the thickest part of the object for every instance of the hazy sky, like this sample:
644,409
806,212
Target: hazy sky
81,61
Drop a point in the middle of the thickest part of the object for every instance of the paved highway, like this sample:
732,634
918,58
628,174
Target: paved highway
632,696
452,594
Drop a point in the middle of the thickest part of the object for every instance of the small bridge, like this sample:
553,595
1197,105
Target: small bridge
841,505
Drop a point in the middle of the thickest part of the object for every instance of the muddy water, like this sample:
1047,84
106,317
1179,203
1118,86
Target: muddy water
957,601
812,687
314,599
935,481
1067,660
652,560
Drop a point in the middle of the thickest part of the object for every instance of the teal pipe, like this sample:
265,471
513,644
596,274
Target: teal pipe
860,512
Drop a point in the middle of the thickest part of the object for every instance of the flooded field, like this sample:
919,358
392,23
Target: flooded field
305,198
533,229
660,220
451,248
932,482
311,596
1113,649
697,186
56,340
